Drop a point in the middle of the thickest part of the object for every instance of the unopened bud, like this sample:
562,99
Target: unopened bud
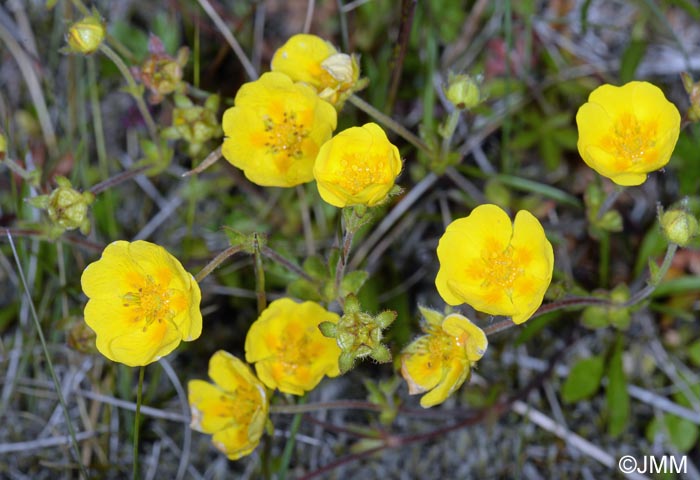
463,92
679,226
86,35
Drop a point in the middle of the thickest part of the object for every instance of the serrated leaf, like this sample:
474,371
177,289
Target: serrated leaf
303,290
618,399
583,380
316,267
352,282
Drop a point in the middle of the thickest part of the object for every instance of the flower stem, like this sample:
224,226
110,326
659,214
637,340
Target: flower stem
117,179
135,475
655,279
343,258
133,89
604,260
211,159
390,123
609,202
276,257
289,446
449,131
259,275
216,261
320,406
575,302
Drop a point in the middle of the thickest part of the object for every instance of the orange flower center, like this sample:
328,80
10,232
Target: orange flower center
284,138
151,303
441,346
500,269
239,405
631,140
358,172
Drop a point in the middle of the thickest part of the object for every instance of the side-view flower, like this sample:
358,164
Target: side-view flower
234,409
496,266
312,60
142,303
440,361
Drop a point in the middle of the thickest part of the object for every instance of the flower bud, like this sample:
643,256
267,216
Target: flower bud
86,35
68,207
679,226
693,90
463,92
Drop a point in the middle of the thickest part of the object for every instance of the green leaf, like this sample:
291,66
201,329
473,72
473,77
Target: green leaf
631,58
583,380
679,432
694,353
316,267
617,397
303,290
352,282
595,317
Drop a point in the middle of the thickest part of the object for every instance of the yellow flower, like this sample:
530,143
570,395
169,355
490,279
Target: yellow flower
310,59
274,131
440,361
142,302
626,132
493,265
289,351
234,410
357,167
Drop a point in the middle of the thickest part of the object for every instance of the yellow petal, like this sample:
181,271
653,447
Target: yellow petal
461,250
301,58
234,442
472,339
211,408
139,347
114,274
421,370
454,375
228,372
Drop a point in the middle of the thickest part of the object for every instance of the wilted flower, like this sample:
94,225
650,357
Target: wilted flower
626,132
274,131
142,302
195,124
288,349
357,167
440,361
160,72
494,265
312,60
234,409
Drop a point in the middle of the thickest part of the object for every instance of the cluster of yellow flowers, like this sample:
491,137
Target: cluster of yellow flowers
279,131
142,302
